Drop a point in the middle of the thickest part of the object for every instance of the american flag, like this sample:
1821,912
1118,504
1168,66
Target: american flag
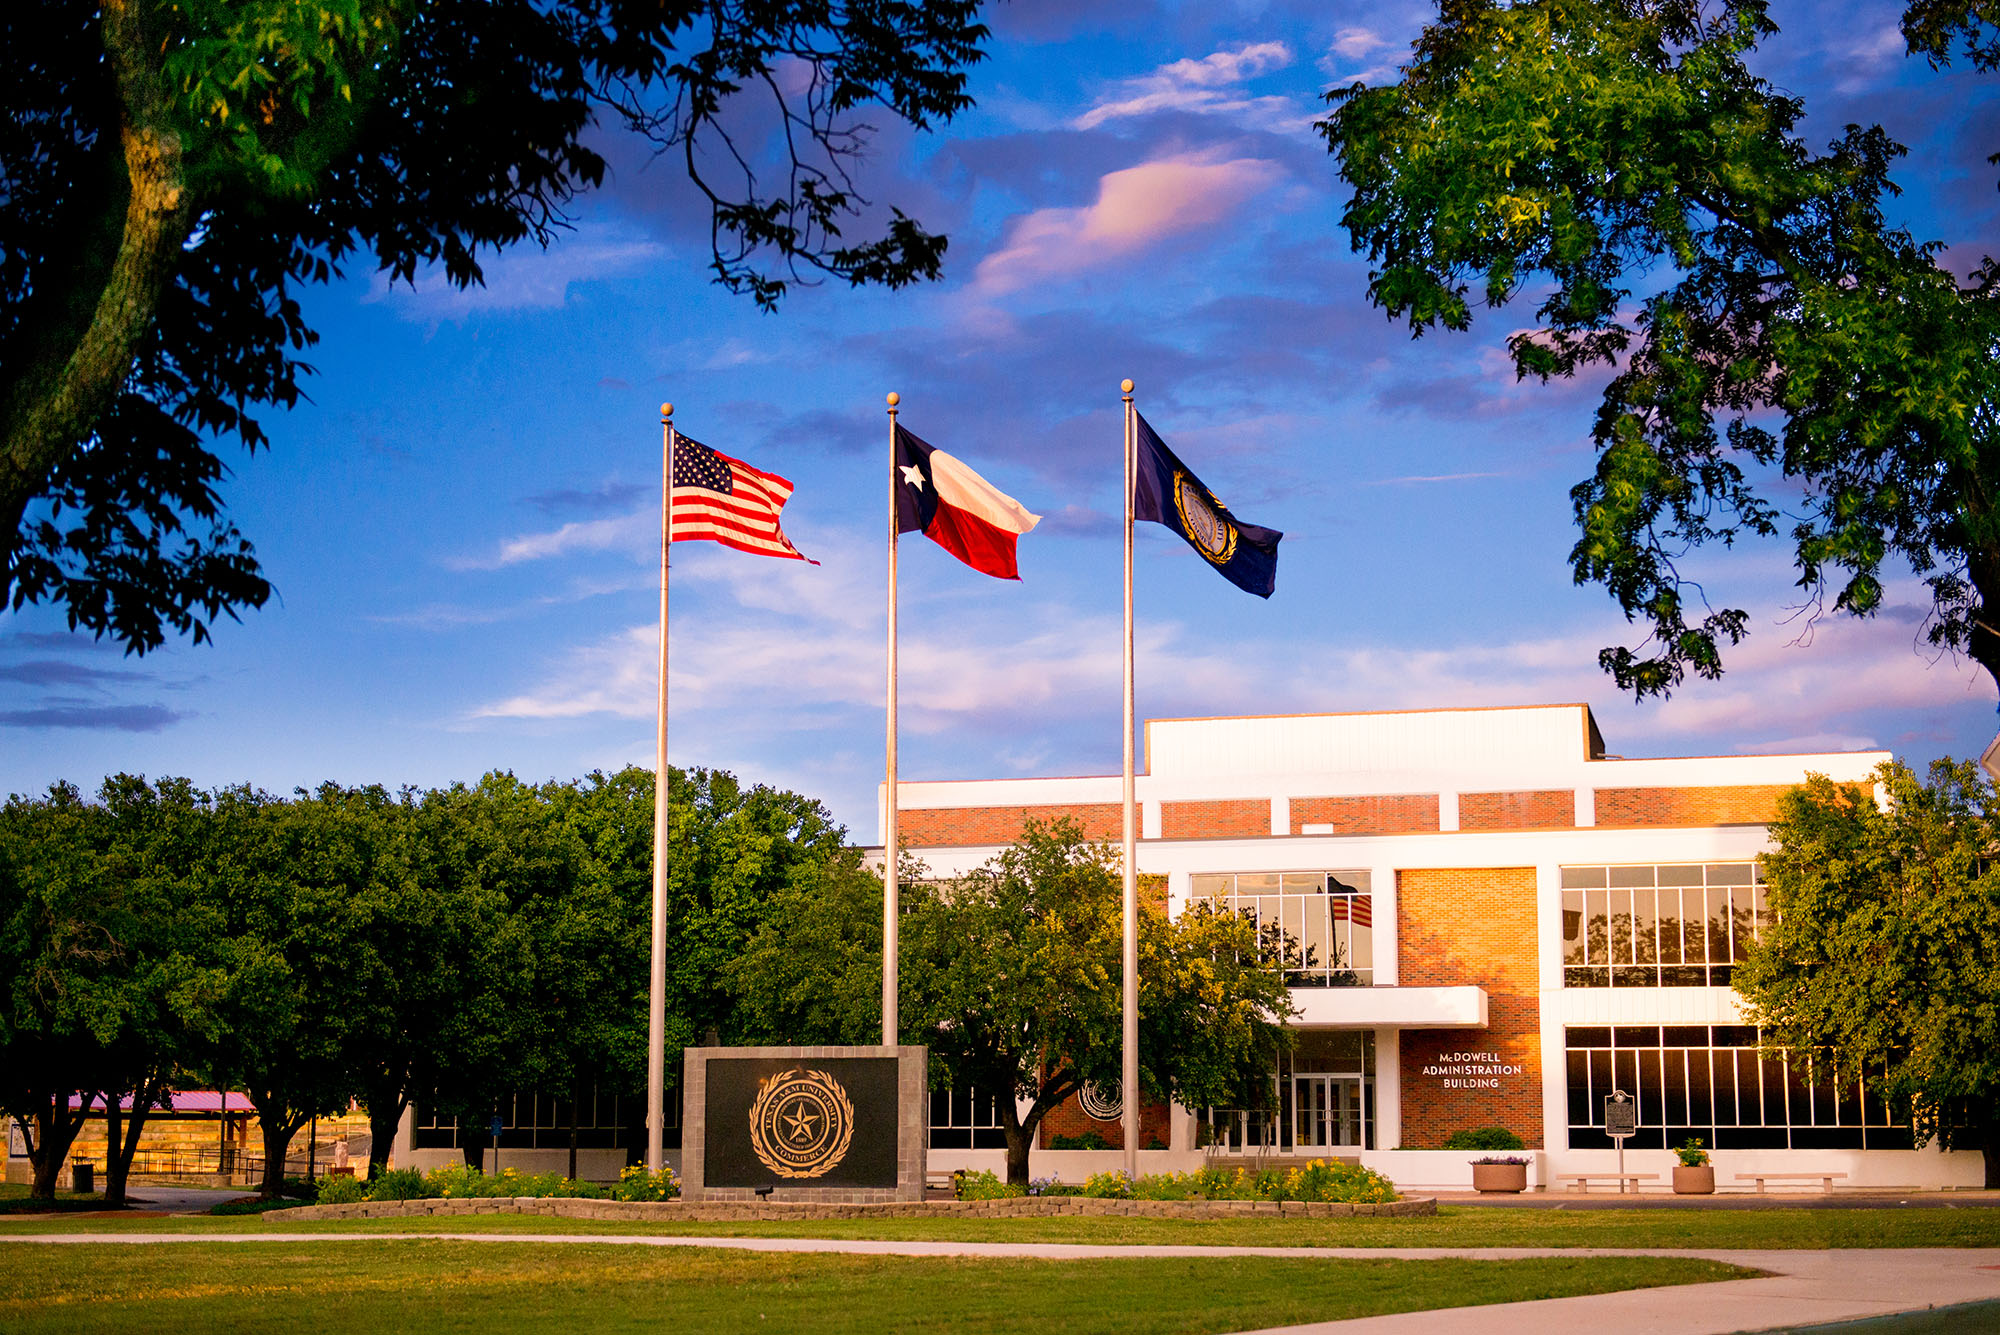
726,500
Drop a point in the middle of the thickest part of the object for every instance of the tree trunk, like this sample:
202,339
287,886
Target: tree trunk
120,1150
576,1098
52,399
54,1131
385,1119
1989,1148
278,1132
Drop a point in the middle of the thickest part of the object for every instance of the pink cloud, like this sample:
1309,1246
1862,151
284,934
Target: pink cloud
1135,208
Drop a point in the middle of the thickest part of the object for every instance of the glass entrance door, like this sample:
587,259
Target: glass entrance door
1326,1112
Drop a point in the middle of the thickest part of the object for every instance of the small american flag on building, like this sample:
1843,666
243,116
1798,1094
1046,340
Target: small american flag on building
726,500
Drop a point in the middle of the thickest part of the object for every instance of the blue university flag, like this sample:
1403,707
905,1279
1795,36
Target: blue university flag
1167,492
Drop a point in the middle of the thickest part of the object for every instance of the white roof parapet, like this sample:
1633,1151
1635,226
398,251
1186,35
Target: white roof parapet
1391,1007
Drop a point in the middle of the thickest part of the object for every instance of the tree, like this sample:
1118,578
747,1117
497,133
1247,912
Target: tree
290,883
1619,159
1010,976
177,170
1884,952
99,957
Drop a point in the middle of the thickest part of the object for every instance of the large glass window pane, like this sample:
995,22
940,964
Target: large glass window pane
1572,911
1700,1089
1684,874
1597,927
1258,883
1630,876
1304,883
1578,1064
1718,925
1645,926
1583,878
1674,1086
1621,927
1207,886
1669,902
1361,944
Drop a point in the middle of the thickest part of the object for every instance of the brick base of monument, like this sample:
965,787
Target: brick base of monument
720,1212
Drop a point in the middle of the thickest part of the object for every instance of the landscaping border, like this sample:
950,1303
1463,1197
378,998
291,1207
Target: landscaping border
728,1212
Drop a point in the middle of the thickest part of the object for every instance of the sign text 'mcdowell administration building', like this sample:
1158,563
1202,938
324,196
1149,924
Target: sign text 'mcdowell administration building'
1496,924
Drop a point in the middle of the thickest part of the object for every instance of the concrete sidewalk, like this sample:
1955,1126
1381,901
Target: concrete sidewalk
1802,1288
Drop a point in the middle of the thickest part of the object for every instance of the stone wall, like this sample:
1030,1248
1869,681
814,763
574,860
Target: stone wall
679,1212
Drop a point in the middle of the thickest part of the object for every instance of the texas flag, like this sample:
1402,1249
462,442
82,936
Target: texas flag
960,510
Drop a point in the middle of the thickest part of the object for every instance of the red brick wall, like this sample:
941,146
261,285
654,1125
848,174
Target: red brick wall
1546,809
1222,818
1745,804
1380,813
1067,1119
1471,926
935,827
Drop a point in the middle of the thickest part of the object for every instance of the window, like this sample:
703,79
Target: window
1675,925
1319,925
1710,1082
1324,1099
963,1119
536,1120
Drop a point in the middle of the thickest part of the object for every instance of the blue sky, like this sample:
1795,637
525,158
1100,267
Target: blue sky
461,524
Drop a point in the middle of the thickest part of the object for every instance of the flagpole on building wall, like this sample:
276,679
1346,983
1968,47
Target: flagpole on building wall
656,1002
1129,1074
889,849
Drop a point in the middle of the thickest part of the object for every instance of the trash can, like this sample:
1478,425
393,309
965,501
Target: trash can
83,1178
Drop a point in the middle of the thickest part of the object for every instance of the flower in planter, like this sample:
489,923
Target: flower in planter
1512,1161
1691,1154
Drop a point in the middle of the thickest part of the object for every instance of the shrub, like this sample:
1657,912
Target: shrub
400,1184
1089,1140
983,1186
1484,1138
462,1182
637,1184
1052,1186
1113,1185
300,1189
341,1190
1691,1153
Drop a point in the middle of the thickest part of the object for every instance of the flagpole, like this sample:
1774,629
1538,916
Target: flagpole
890,899
656,1002
1129,1074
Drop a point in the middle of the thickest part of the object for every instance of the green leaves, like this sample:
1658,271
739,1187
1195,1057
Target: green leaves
1607,152
1885,954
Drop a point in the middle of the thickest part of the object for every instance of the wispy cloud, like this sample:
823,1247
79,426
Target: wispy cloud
1136,208
630,532
603,498
521,278
1210,86
92,717
1356,56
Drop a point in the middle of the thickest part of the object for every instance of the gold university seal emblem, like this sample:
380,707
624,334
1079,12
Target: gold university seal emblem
801,1123
1212,535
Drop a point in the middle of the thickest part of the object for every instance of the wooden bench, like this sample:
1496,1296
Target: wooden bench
939,1181
1825,1180
1582,1181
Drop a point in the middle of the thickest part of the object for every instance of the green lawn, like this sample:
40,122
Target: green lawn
421,1285
1453,1226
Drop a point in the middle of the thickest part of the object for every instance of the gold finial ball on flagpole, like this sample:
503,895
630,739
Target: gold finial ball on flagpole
894,398
1125,385
666,410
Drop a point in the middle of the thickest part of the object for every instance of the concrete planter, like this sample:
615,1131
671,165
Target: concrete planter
1500,1177
1694,1181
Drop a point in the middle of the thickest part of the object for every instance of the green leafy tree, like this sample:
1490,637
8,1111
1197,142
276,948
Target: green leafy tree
1011,978
1775,346
100,962
178,170
291,883
1884,956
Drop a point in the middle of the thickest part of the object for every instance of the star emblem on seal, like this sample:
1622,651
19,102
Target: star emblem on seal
801,1123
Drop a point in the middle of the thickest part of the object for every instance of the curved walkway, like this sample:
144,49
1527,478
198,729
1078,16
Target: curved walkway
1800,1288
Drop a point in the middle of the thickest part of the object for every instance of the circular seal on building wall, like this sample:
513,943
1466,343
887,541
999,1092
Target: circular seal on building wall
1213,536
1101,1102
801,1123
